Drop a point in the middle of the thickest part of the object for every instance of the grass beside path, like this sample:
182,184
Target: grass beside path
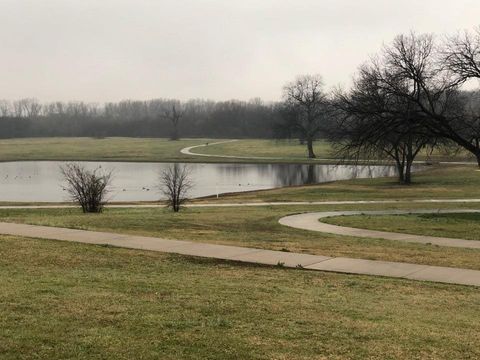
90,149
461,226
252,227
64,301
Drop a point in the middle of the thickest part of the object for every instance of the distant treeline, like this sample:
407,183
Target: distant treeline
199,118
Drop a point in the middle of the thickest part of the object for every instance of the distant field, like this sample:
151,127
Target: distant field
150,149
108,149
292,149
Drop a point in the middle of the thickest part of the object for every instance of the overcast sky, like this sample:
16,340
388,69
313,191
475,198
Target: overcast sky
108,50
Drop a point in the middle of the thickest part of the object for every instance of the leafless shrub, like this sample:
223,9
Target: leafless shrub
88,188
175,183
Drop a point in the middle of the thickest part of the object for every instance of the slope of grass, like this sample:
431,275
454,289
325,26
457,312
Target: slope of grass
463,226
447,182
74,301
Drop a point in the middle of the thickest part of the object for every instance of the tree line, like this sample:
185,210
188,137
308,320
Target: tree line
164,118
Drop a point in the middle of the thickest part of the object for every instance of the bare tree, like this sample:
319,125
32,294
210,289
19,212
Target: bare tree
374,123
409,69
306,108
28,107
88,188
461,55
5,108
175,183
173,112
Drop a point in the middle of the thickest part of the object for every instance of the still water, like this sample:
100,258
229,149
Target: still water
133,181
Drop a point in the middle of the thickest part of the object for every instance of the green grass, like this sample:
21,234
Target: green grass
444,182
293,150
74,301
462,225
107,149
288,149
253,227
152,149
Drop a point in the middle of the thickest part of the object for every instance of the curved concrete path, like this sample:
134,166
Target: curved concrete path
310,221
252,255
188,151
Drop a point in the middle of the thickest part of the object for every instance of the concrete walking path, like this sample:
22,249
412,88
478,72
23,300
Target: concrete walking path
251,255
276,203
311,221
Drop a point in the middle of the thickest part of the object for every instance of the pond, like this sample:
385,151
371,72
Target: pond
39,181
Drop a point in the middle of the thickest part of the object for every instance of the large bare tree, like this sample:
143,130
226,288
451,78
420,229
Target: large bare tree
375,124
306,108
409,68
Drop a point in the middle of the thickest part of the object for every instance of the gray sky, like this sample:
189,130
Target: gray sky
108,50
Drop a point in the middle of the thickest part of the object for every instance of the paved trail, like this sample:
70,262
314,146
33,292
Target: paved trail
310,221
252,255
277,203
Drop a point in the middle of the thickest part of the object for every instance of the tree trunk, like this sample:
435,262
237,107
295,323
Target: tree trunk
401,172
478,157
408,172
408,165
174,135
311,154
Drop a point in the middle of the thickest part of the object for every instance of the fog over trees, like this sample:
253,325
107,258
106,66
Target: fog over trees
166,118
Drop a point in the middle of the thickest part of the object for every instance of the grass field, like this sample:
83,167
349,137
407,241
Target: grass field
292,149
107,149
74,301
462,226
150,149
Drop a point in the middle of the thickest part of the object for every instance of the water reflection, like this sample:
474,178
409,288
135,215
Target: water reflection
41,180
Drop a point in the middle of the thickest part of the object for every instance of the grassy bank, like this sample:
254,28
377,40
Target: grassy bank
463,226
447,182
254,227
64,301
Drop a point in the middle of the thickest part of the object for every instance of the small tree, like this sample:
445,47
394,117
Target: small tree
88,188
173,112
175,184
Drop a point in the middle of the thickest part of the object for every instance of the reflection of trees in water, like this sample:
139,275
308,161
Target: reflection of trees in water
302,174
